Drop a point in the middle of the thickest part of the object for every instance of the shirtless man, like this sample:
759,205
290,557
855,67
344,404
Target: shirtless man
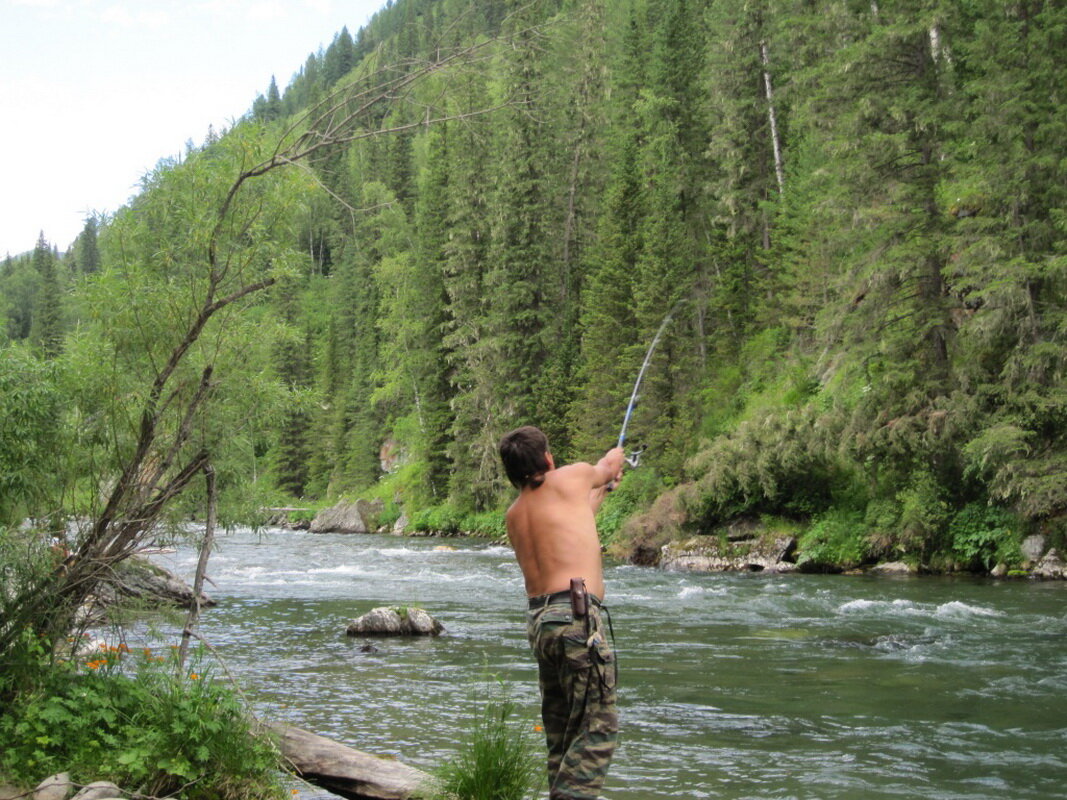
552,528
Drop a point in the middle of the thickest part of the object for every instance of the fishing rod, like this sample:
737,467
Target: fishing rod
634,458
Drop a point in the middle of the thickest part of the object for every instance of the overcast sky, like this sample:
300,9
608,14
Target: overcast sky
94,92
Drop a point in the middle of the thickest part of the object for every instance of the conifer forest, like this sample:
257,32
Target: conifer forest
476,214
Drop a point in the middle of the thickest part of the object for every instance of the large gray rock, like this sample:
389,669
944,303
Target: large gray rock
385,621
54,787
1033,547
347,772
137,579
1051,567
892,568
739,551
100,790
347,517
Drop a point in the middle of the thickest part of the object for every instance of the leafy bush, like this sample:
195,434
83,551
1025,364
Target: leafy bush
445,519
836,538
500,759
486,523
29,434
981,535
781,463
635,493
132,720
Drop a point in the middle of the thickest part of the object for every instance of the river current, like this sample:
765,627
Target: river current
731,686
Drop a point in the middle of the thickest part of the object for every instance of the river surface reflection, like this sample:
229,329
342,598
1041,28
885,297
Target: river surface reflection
732,686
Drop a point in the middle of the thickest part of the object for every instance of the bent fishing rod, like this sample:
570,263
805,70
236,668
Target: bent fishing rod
634,458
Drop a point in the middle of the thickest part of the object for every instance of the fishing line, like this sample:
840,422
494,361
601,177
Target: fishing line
634,458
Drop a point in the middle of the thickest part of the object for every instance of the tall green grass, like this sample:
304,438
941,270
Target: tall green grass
500,758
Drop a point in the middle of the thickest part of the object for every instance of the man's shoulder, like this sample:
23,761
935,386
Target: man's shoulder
578,474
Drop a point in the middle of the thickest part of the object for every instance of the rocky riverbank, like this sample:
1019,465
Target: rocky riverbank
749,546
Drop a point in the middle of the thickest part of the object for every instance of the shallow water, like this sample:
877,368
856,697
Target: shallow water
732,686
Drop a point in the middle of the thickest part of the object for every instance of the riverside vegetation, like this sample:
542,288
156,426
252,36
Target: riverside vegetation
475,215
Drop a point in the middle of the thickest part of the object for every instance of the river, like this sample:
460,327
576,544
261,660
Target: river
731,686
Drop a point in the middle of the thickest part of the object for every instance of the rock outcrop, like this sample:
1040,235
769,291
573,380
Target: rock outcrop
139,580
892,568
742,547
386,621
1051,567
348,517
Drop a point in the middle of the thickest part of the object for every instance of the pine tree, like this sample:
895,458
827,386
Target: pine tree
47,327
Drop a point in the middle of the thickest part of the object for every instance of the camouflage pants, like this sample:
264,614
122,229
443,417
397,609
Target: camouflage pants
577,676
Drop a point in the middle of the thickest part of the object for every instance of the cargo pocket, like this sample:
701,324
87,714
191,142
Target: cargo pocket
577,651
604,658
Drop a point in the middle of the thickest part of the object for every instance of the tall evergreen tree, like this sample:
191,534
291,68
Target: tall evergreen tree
47,328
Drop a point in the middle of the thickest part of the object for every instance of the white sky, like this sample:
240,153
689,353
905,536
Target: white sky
94,92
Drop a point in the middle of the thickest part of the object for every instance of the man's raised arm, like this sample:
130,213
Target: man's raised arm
607,472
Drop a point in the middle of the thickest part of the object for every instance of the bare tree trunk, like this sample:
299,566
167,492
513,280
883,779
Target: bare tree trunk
772,117
201,565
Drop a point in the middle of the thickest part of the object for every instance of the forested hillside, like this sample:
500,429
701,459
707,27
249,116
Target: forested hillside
856,208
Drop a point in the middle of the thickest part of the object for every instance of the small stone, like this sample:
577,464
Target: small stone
1000,570
56,787
100,790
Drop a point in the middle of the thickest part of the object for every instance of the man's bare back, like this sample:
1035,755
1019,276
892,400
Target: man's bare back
552,527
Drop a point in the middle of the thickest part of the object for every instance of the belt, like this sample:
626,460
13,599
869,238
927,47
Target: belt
559,597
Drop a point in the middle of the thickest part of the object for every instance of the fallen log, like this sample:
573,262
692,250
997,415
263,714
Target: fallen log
346,771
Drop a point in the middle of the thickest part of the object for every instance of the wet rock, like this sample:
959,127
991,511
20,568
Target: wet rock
100,790
1051,567
137,579
347,517
385,621
736,553
55,787
892,568
1033,547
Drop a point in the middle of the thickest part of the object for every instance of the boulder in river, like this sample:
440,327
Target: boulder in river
387,621
348,517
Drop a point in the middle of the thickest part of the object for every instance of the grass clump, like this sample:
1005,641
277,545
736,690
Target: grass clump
500,758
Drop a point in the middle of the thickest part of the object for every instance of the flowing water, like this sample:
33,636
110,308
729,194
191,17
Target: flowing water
731,686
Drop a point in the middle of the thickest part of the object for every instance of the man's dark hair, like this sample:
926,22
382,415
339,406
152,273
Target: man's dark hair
524,452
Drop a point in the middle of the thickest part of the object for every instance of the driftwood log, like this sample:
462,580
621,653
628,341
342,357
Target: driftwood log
345,771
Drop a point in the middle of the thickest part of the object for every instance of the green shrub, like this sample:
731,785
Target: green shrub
132,720
837,538
981,535
634,494
500,758
445,519
485,523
